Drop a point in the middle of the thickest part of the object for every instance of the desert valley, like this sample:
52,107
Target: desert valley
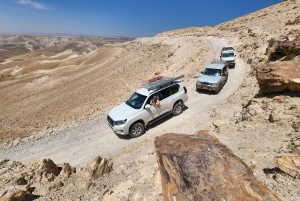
56,92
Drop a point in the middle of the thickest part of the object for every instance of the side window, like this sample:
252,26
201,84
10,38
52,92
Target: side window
149,99
174,89
163,94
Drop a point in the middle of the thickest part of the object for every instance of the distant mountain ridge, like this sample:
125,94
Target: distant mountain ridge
13,45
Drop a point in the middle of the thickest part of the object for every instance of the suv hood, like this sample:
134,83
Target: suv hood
121,112
210,79
227,58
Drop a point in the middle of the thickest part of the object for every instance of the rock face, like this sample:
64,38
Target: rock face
279,76
286,50
199,167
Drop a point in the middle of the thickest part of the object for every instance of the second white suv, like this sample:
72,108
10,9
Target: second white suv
136,113
228,55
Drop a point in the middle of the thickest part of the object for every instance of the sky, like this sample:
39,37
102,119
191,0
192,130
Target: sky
130,18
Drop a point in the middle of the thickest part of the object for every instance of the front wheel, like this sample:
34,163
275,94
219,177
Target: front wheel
218,90
137,130
177,109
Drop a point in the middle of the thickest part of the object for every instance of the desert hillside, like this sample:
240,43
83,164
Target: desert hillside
54,105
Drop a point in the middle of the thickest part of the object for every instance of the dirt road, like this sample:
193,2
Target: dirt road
79,143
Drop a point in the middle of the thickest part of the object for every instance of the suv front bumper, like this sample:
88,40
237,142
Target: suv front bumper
118,129
206,87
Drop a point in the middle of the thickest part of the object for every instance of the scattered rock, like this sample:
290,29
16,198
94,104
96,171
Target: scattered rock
218,123
66,170
98,167
278,117
43,166
278,178
18,195
289,165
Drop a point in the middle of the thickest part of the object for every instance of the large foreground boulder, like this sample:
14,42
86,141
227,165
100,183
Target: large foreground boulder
279,77
199,167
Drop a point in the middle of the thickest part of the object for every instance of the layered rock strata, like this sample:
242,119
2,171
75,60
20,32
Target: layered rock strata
199,167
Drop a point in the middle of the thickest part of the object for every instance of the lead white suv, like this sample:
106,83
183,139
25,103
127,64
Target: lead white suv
136,113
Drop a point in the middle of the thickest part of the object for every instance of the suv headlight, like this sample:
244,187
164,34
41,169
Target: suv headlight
198,82
120,122
214,84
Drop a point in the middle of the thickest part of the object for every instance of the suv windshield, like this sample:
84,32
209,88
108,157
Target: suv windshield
212,72
228,55
136,100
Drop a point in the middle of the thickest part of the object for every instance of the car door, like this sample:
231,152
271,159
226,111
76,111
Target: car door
153,112
224,74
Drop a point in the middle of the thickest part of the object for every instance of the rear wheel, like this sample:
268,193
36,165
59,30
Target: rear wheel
137,129
177,109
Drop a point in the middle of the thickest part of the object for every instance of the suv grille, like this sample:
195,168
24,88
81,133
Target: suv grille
110,121
205,83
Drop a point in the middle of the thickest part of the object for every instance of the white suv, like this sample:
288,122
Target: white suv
228,55
136,113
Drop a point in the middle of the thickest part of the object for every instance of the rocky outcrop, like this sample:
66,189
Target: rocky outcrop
279,77
98,167
18,195
17,180
289,164
286,50
199,167
43,166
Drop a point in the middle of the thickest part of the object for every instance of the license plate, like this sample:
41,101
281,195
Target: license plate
205,87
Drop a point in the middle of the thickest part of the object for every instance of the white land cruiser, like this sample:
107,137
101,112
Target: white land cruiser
227,55
136,113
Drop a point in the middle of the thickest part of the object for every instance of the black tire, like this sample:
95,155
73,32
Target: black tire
136,130
177,109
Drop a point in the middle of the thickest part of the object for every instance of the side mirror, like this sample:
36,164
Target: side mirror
201,72
235,55
147,106
224,74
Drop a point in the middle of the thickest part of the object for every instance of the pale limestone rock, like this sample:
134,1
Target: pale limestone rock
289,165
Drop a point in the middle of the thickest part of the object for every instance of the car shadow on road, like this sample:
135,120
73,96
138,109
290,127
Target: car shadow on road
124,137
157,123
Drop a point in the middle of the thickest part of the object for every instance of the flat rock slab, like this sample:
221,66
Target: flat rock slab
279,77
199,167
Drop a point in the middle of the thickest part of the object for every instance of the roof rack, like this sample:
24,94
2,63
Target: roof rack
159,81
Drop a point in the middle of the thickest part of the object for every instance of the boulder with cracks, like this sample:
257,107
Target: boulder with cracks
199,167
